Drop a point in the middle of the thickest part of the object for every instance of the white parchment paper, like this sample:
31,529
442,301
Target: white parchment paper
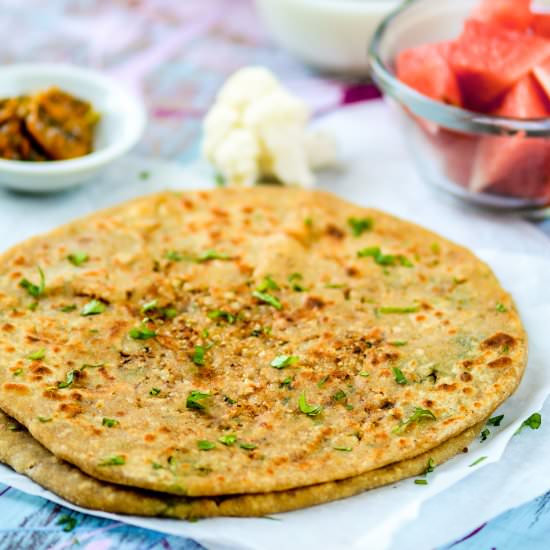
458,497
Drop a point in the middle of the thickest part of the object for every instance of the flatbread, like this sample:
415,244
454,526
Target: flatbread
325,340
25,455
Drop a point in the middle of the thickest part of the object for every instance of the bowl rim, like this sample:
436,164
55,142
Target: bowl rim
456,118
136,120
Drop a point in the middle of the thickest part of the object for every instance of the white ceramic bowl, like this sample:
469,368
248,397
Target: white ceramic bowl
331,35
120,128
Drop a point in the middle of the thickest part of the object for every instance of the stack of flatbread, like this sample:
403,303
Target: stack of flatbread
243,352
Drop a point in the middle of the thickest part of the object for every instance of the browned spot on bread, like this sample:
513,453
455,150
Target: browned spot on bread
498,340
466,377
313,302
70,409
40,369
447,387
149,437
334,231
500,363
8,327
20,389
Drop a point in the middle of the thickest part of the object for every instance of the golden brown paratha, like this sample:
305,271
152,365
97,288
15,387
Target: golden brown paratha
249,340
24,454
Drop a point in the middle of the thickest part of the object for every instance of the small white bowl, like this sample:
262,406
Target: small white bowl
121,126
331,35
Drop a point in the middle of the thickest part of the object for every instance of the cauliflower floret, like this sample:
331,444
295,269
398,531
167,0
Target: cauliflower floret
257,129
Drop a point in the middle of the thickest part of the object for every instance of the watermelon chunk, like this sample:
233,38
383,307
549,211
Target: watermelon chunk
542,74
426,69
512,14
517,166
488,60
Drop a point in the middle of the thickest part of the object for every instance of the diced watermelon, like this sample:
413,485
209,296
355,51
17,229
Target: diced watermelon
542,74
426,69
516,165
541,24
512,14
488,60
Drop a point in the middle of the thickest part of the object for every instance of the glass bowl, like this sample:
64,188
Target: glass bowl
489,160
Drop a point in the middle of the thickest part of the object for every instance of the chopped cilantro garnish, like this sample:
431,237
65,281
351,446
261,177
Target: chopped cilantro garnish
221,314
418,415
44,419
286,382
154,392
34,290
501,308
399,376
484,434
212,255
94,307
421,482
339,395
18,372
198,355
78,258
194,400
308,222
478,461
334,285
219,179
343,449
282,361
534,422
398,343
322,382
33,306
364,373
229,400
388,310
142,333
228,440
69,522
267,284
109,422
89,366
67,309
306,408
156,466
360,225
430,466
174,256
294,279
116,460
405,262
247,446
268,299
169,312
37,355
205,445
376,254
495,420
69,379
435,248
149,306
15,427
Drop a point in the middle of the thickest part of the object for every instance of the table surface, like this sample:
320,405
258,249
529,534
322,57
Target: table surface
176,55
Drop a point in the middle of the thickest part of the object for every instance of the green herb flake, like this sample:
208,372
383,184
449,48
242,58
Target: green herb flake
208,255
69,379
37,355
18,372
294,280
116,460
229,400
144,175
286,383
109,422
142,333
534,422
435,248
169,312
389,310
501,308
421,482
343,449
308,222
323,381
33,306
205,445
149,306
418,415
78,258
69,522
306,408
267,284
153,392
339,395
248,446
68,309
398,343
399,376
35,291
360,225
430,466
198,356
94,307
195,398
267,299
156,466
478,461
364,374
44,419
219,180
174,256
282,361
484,435
221,314
495,420
228,440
